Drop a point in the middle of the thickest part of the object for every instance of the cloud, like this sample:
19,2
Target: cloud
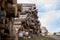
58,5
27,1
51,20
23,1
47,3
49,16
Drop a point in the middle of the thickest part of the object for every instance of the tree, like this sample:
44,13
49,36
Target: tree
54,33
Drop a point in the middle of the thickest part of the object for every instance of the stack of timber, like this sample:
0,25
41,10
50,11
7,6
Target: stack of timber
8,11
18,20
27,22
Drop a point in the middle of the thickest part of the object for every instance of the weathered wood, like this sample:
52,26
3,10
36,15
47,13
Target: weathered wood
8,11
30,21
19,18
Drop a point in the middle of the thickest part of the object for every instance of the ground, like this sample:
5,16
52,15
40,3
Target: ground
55,37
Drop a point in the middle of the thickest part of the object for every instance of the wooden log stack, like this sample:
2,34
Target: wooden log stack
8,11
28,20
18,20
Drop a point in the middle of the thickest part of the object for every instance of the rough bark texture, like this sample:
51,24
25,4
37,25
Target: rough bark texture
18,20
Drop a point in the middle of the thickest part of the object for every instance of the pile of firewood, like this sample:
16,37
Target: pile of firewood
17,19
27,22
8,11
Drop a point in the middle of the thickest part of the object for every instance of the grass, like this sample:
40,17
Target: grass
21,38
42,38
58,35
47,38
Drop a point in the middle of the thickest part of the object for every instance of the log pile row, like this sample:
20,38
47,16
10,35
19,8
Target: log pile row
8,10
17,19
27,21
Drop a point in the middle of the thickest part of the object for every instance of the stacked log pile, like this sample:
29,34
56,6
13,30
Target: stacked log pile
8,11
17,19
44,31
28,21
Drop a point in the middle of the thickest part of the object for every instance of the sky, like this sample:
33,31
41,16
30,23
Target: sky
48,13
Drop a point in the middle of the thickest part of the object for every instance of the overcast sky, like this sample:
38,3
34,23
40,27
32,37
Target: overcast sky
48,12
